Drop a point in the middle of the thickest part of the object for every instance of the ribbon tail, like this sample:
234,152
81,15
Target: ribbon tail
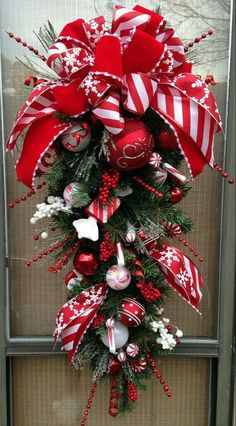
39,104
181,273
39,138
76,316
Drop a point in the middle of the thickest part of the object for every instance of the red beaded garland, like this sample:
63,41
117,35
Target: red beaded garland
223,173
50,250
183,241
197,40
31,48
114,398
89,403
148,187
157,373
17,201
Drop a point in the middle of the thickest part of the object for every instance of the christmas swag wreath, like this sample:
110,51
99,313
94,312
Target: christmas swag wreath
109,132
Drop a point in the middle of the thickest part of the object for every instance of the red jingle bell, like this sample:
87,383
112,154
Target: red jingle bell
132,313
85,262
132,148
166,140
176,195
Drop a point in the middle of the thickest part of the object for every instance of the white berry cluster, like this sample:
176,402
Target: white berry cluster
165,339
55,205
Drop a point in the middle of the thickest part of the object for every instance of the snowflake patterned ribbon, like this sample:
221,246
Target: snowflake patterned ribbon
180,272
75,317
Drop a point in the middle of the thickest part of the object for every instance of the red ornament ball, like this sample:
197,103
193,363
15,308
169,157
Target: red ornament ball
132,148
131,313
166,140
85,262
176,195
113,366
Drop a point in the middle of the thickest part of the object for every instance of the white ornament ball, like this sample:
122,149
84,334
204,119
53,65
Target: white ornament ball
132,350
33,221
118,277
122,356
77,138
44,235
179,333
121,335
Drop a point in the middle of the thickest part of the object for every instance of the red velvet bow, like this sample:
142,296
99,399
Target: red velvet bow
140,64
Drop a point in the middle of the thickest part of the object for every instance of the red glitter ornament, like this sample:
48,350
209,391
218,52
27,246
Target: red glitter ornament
131,149
166,140
176,195
85,262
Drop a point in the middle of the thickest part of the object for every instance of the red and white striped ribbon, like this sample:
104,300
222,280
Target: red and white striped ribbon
137,92
108,112
39,104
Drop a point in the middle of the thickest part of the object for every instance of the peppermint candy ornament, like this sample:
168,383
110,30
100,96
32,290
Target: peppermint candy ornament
130,234
155,160
47,161
77,138
132,313
118,276
122,356
132,350
139,366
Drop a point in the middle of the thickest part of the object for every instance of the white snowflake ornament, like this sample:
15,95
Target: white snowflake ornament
87,228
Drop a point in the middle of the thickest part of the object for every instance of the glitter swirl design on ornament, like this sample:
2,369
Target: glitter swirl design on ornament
106,7
121,161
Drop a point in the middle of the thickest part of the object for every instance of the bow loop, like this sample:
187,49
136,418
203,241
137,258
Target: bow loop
152,51
137,92
108,60
95,29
